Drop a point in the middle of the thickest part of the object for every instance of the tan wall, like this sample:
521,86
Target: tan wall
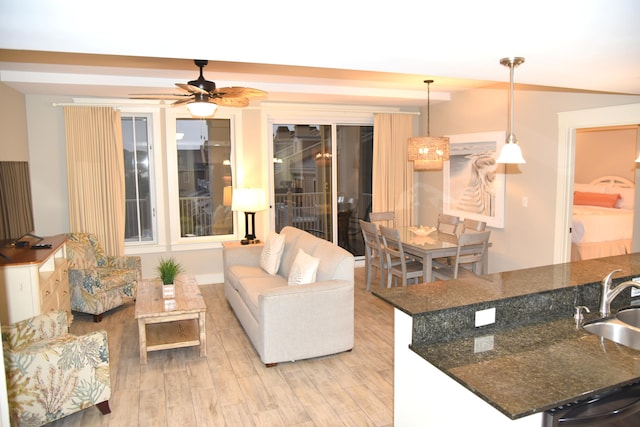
14,144
527,238
603,152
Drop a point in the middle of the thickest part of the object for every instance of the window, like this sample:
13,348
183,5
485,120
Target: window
204,176
138,167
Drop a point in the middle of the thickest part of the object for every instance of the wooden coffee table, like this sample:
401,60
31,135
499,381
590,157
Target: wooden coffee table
175,323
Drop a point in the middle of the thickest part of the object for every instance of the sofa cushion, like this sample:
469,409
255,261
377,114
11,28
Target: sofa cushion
235,274
304,269
251,288
295,239
272,253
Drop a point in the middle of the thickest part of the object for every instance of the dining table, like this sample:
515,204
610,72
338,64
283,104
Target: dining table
427,243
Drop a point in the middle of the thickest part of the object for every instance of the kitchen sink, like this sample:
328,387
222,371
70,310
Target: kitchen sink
630,316
616,330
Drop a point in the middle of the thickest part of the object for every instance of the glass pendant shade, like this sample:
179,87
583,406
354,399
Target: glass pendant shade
511,153
202,109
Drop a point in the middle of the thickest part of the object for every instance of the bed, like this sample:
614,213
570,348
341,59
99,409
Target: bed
602,223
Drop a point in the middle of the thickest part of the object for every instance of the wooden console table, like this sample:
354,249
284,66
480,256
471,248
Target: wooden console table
170,323
34,281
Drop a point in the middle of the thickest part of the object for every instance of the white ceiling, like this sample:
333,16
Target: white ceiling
349,52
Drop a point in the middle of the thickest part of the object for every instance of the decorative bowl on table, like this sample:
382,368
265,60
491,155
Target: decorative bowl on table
422,231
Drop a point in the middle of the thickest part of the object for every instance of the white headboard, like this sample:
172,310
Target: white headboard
613,181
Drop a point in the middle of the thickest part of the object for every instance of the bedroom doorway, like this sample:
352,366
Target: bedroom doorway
568,123
604,183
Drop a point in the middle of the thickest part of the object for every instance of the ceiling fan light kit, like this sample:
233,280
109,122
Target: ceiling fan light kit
202,98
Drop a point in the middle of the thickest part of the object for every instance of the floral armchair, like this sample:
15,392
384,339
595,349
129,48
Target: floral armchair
51,373
99,282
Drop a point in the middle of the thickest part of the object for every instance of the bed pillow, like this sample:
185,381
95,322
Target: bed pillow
627,200
304,269
604,200
272,253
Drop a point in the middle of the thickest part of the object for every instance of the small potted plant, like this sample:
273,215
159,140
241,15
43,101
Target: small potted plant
168,268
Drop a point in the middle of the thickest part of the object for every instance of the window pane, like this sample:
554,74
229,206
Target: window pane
139,207
204,176
302,177
354,167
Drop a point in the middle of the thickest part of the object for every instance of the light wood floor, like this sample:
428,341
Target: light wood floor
231,387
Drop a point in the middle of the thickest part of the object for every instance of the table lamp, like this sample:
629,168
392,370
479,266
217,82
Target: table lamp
249,201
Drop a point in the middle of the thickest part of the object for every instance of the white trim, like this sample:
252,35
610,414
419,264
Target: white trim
568,122
174,241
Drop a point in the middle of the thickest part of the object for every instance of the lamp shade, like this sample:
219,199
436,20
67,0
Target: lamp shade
510,153
249,200
202,109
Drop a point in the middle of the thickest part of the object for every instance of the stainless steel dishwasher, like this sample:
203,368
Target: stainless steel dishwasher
616,408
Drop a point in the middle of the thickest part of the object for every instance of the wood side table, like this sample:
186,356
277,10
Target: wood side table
170,323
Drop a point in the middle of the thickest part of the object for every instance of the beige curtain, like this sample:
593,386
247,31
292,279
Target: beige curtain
16,215
95,171
392,173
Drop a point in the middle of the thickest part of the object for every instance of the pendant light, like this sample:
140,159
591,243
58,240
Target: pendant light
428,152
511,152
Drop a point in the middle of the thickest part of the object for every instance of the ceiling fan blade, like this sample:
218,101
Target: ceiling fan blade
182,101
231,102
235,91
191,88
158,95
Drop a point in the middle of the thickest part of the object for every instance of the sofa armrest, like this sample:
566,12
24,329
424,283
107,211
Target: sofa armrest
125,262
248,255
41,327
304,309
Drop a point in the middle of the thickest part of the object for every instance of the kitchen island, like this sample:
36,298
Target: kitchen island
530,360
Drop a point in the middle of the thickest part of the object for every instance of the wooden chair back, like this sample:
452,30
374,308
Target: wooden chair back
388,218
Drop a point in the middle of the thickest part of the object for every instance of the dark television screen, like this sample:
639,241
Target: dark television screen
16,211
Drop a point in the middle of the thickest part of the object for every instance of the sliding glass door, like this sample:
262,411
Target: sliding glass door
322,180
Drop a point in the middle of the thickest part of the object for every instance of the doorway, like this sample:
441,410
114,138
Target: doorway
568,123
322,180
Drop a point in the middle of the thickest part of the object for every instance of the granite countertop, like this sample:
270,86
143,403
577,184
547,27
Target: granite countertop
533,358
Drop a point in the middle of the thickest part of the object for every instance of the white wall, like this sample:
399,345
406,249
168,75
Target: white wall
527,239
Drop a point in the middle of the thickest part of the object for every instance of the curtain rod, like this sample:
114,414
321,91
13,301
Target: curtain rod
71,104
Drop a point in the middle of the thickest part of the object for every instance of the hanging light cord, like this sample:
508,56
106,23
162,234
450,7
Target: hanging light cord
512,63
428,82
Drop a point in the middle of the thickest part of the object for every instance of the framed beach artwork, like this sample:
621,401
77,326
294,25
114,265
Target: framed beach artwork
474,184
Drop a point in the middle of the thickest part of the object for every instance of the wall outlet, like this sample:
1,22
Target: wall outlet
482,344
485,317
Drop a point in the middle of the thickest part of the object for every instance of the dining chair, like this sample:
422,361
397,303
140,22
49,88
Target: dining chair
472,257
400,265
448,224
373,253
473,224
389,218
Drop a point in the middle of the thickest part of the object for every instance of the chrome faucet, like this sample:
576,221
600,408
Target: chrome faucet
609,293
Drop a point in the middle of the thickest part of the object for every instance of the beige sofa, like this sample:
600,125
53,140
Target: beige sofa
292,322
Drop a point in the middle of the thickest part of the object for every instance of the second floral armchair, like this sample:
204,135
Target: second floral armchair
99,282
51,373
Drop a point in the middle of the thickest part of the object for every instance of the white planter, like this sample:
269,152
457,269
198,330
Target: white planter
168,291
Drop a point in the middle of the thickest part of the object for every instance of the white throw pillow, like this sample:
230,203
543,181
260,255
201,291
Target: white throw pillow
304,269
272,252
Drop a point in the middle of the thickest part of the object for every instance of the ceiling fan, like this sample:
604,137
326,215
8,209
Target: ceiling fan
202,97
